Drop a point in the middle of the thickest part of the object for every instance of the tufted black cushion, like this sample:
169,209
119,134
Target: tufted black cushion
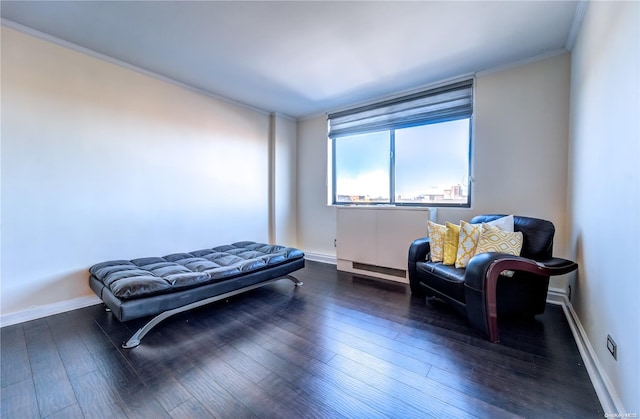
130,279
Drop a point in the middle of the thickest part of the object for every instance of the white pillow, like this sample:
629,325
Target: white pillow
504,223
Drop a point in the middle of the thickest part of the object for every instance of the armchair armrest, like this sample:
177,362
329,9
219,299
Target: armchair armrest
482,275
482,266
419,249
556,266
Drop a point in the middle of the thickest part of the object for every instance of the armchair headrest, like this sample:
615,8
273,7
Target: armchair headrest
538,234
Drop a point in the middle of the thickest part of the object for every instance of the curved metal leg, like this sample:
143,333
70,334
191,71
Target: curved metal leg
295,280
135,339
137,336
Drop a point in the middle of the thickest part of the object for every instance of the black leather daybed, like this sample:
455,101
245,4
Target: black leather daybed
169,285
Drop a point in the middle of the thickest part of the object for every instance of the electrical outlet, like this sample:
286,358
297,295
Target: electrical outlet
612,347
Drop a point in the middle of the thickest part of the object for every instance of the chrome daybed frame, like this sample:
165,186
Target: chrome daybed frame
164,287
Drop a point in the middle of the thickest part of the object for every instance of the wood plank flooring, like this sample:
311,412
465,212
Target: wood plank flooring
340,346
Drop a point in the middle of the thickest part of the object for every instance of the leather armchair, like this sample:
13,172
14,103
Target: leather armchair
480,292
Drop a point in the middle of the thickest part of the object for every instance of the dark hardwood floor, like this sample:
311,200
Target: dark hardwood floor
339,346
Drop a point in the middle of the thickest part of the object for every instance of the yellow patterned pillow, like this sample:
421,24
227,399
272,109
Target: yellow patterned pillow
493,239
436,239
467,242
451,243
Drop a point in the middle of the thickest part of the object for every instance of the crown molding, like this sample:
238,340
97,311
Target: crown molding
86,51
578,18
523,62
284,116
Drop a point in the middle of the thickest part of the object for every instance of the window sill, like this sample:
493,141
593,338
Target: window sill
385,207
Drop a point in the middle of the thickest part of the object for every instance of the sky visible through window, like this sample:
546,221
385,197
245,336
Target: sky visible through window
432,163
362,165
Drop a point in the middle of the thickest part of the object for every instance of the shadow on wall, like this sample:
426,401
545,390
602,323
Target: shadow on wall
51,292
573,282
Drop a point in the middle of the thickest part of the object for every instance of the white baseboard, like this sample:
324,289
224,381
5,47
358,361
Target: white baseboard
556,296
607,394
48,310
317,257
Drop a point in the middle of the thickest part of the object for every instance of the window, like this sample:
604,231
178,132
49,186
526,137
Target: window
413,150
363,176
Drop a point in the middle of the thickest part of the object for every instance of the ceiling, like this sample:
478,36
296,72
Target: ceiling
302,58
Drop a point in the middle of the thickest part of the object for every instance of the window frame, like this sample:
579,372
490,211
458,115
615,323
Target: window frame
392,180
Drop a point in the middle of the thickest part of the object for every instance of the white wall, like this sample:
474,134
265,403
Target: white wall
100,162
605,188
316,220
521,142
285,163
519,155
